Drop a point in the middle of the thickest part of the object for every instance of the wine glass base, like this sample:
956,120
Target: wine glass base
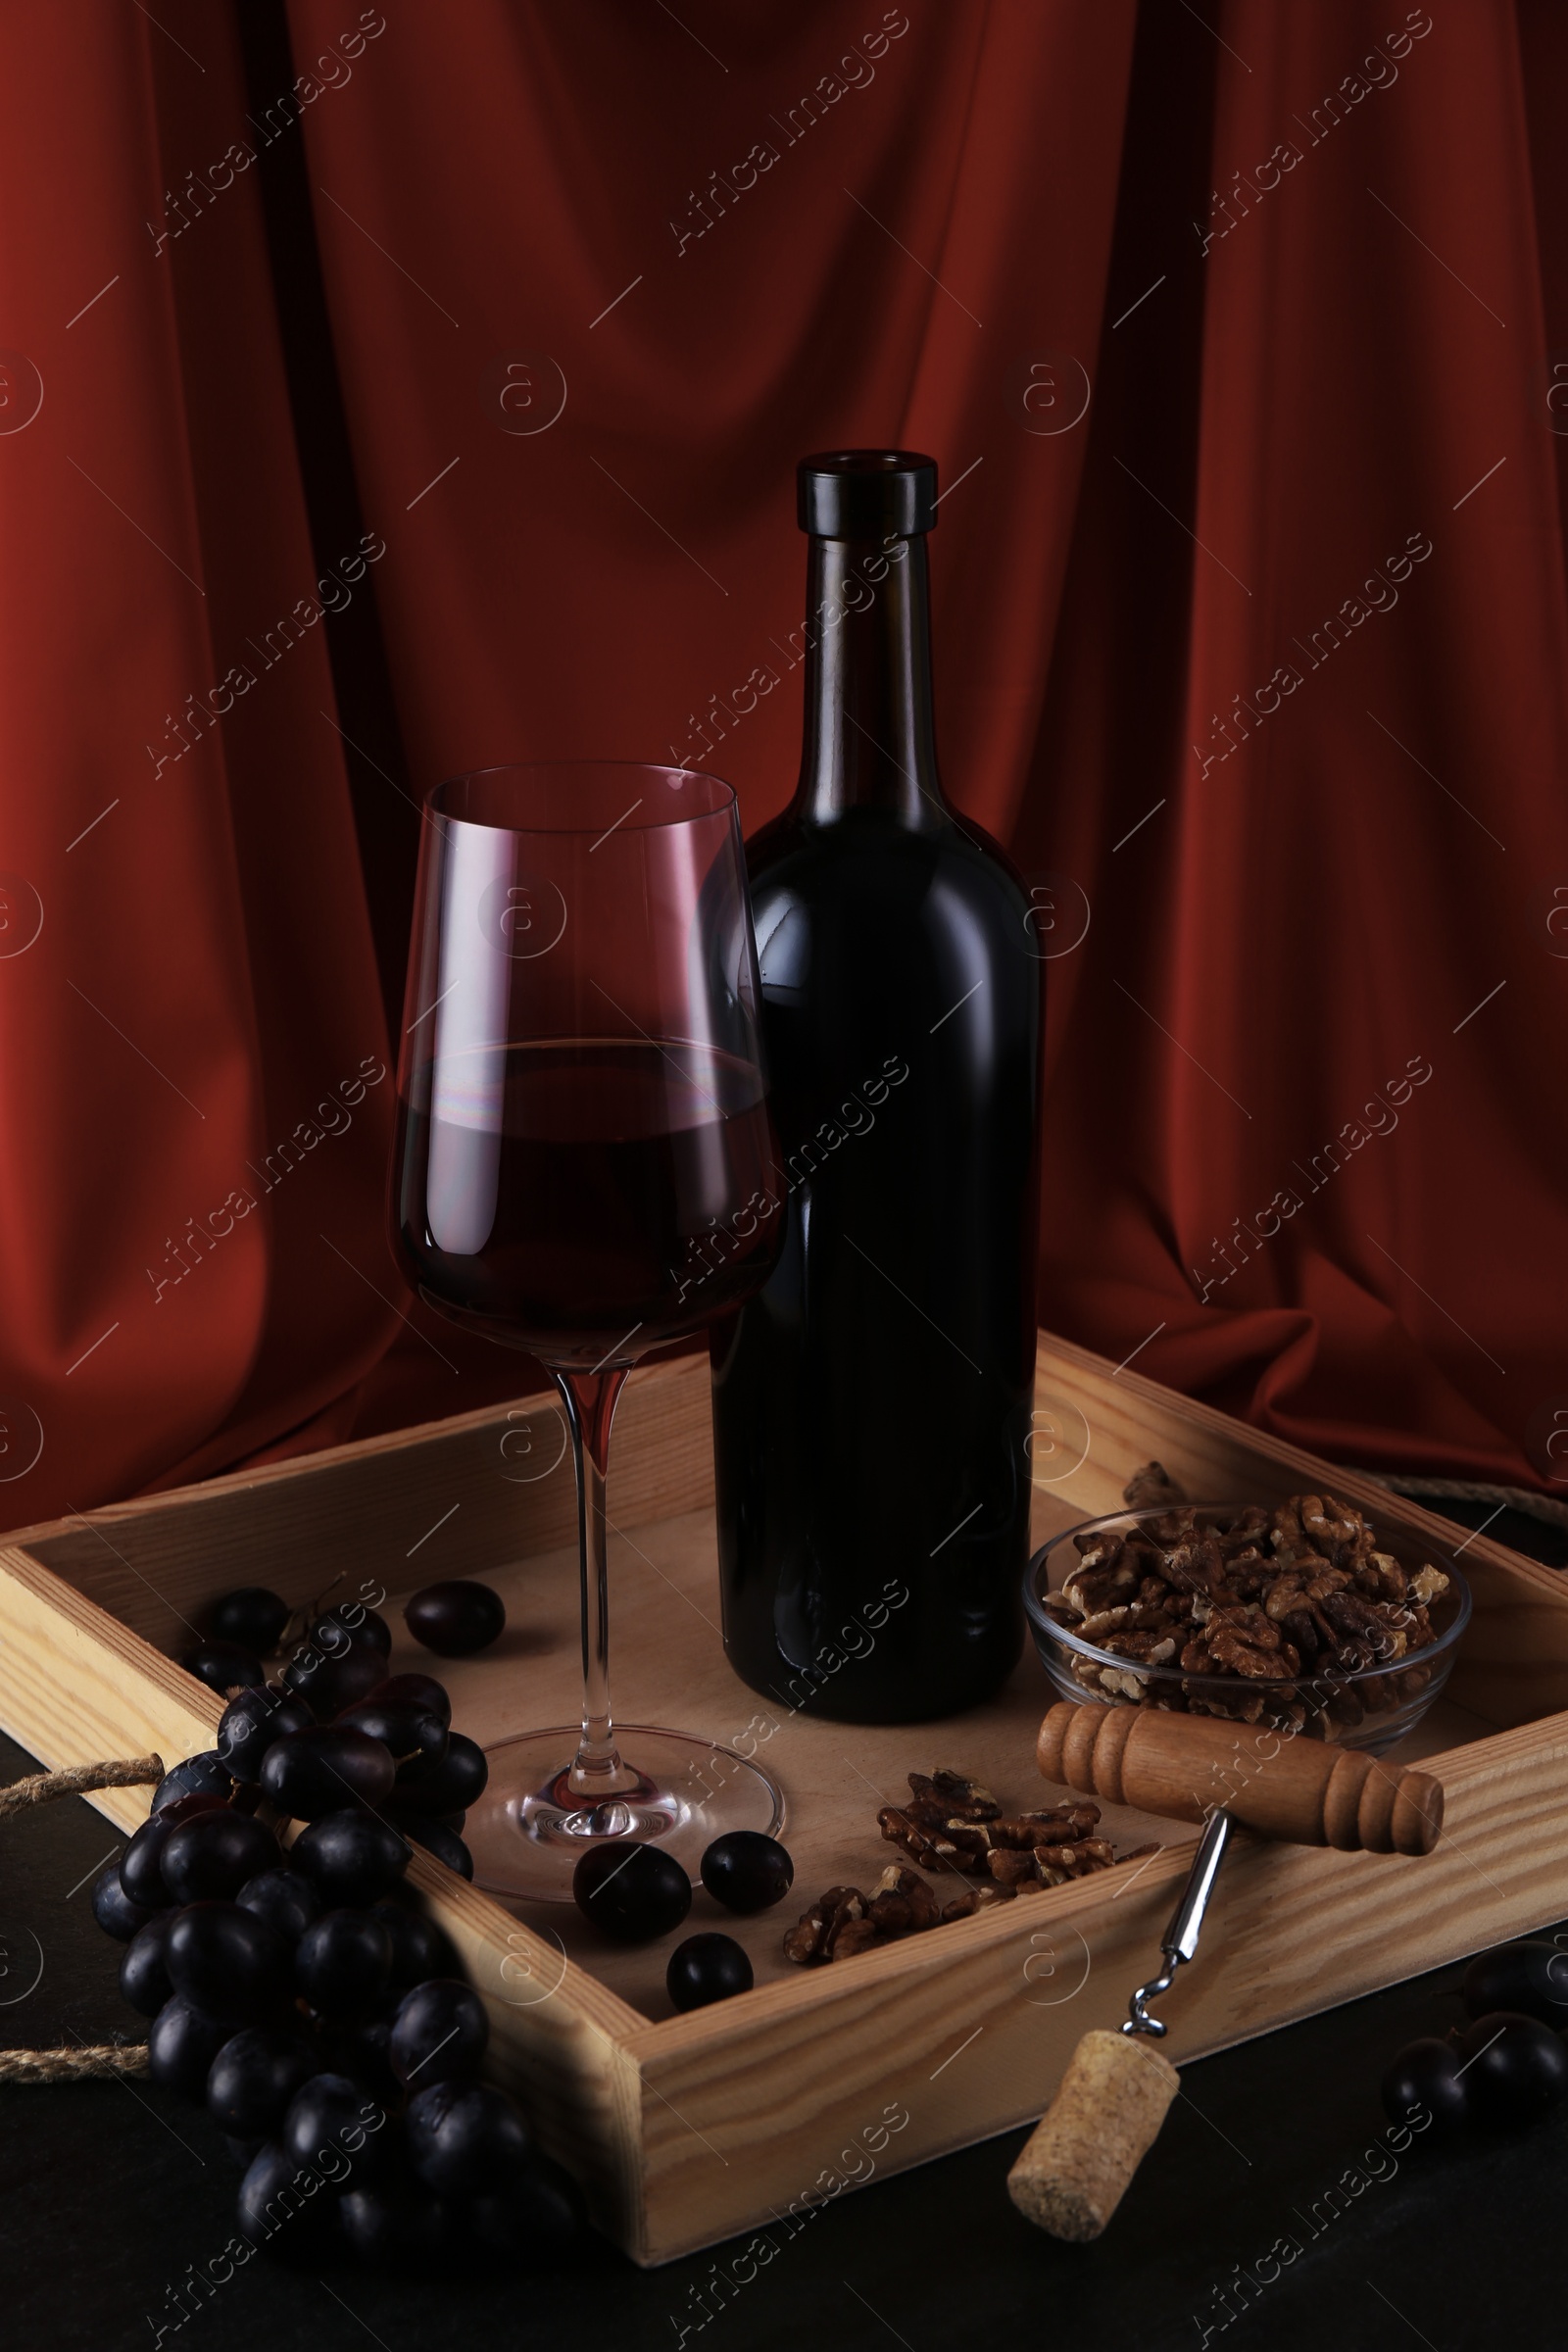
529,1831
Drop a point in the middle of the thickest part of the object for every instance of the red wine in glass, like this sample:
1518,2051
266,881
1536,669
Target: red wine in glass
588,1194
586,1167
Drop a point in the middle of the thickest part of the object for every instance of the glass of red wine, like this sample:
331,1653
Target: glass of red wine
585,1168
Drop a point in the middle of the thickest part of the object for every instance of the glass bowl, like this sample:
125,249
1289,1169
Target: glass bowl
1368,1706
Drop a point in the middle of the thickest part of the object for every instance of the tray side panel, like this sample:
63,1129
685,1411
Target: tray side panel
76,1687
474,1488
455,1496
558,2039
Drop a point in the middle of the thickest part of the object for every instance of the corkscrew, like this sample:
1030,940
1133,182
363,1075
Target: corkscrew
1180,1939
1080,2159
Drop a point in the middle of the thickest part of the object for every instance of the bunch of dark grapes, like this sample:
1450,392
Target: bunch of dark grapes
1508,2067
344,1648
390,1749
308,2001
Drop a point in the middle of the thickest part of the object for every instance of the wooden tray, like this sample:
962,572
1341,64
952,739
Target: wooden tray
685,2131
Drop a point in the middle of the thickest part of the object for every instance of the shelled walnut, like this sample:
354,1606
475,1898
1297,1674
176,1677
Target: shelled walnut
951,1823
1255,1596
835,1916
1152,1488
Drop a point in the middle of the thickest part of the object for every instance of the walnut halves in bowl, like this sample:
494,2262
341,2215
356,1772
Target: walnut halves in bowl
1294,1617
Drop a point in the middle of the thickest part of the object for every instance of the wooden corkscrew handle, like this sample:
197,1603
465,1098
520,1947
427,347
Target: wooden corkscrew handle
1184,1766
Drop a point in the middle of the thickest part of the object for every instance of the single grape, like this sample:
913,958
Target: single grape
401,2226
252,1722
448,1783
251,1617
285,2209
356,1676
421,1949
144,1970
631,1892
329,1681
112,1908
141,1874
351,1625
213,1856
205,1774
707,1968
343,1964
181,2044
227,1961
224,1666
331,2122
415,1735
417,1689
537,2221
329,1637
746,1871
285,1899
141,1880
191,1808
352,1679
350,1856
1425,2076
439,2034
1529,1979
1515,2068
253,2079
436,1839
456,1619
322,1769
465,2138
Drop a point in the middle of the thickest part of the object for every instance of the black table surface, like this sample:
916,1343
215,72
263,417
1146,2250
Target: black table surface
112,2191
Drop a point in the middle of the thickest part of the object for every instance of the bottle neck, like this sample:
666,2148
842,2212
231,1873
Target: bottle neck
869,743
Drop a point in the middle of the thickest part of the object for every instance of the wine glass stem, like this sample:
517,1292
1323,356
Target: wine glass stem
597,1773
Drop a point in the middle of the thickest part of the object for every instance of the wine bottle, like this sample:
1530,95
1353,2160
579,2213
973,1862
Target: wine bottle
872,1404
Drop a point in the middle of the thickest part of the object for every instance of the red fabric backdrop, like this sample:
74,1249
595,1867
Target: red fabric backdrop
1236,341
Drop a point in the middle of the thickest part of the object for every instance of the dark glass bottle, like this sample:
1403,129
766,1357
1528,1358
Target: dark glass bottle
871,1405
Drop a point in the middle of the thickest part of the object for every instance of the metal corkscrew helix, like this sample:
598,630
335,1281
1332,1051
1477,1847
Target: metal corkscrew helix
1180,1939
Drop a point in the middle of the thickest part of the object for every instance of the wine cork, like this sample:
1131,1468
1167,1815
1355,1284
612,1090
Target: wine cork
1077,2163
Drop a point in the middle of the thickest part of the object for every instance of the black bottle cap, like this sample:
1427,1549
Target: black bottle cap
866,493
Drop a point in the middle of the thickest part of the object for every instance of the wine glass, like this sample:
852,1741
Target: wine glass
584,1167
